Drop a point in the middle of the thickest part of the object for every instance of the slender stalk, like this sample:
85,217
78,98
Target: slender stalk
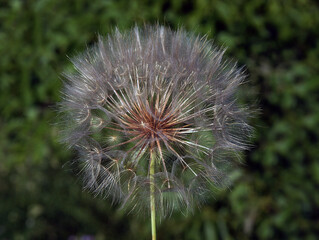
152,194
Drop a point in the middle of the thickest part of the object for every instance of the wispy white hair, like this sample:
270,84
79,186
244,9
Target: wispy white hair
156,89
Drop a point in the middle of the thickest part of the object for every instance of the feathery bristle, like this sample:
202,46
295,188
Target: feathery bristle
154,90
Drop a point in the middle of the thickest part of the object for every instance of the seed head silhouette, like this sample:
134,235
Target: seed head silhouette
153,111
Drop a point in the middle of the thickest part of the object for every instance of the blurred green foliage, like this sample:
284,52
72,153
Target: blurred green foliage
275,191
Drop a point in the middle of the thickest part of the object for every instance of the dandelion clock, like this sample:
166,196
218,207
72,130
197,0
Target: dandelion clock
153,115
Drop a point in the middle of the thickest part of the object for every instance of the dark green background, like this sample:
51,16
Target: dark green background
275,191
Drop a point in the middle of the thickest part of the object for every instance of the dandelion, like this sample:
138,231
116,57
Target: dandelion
153,115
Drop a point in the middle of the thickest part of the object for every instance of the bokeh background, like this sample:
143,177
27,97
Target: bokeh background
275,191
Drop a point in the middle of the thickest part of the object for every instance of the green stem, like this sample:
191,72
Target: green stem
152,195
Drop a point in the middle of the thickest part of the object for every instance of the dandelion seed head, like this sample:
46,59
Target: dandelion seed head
154,90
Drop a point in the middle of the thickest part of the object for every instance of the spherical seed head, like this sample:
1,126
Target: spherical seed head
154,91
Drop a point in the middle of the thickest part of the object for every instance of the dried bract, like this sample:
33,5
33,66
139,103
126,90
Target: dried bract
154,91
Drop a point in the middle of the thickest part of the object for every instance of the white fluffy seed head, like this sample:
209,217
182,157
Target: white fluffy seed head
154,89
